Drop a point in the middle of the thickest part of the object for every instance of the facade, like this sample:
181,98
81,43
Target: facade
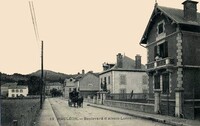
88,85
69,85
53,85
4,88
172,39
126,76
17,91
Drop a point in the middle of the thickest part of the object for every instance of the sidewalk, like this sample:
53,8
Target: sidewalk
47,116
154,117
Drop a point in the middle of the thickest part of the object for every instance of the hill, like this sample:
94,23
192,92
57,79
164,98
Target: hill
51,75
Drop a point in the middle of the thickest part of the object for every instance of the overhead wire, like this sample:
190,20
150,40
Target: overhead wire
34,21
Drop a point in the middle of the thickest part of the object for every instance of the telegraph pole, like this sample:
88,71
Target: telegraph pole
41,85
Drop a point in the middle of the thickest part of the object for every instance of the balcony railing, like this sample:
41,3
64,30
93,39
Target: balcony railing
160,63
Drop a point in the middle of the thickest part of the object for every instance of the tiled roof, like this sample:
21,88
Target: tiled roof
128,64
178,15
17,87
54,84
9,84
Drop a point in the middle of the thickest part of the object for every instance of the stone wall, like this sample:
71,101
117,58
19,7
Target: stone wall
142,107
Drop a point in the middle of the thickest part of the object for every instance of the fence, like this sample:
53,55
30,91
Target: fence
129,97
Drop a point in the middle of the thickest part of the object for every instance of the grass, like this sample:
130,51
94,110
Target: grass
17,109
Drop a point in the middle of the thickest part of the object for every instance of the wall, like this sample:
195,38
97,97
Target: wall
107,74
142,107
24,93
134,81
89,82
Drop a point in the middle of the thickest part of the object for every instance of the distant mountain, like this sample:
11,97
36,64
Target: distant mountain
51,75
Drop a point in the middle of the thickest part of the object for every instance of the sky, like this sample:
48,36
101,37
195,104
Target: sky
77,34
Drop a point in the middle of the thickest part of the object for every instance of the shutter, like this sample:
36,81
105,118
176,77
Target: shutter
155,51
166,49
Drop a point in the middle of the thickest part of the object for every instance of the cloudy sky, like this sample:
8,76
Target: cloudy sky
77,34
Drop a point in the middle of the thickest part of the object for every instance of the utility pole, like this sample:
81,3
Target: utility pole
41,85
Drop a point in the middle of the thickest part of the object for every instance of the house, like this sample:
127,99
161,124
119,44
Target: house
17,91
88,84
53,85
4,88
69,85
125,76
172,39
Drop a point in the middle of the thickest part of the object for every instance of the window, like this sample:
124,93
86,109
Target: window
21,90
70,90
104,80
13,90
17,90
165,87
122,91
122,79
161,50
157,81
13,95
109,80
144,79
160,28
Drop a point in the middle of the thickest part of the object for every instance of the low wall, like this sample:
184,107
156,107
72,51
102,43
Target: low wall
142,107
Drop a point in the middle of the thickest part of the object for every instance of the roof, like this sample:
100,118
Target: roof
18,87
9,84
81,76
176,15
128,64
54,84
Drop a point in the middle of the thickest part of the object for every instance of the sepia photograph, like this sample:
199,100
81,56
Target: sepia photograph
100,63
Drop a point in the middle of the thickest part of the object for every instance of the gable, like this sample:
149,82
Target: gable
175,16
89,82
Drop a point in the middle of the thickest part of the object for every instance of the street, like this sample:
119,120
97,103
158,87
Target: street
90,116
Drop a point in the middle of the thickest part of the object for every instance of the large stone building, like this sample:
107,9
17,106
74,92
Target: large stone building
53,85
125,76
69,85
17,91
172,39
88,84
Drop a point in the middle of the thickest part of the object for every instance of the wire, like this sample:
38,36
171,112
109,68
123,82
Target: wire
31,6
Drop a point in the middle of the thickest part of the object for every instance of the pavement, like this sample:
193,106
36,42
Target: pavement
174,121
47,116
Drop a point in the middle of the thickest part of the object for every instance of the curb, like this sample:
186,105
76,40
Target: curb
53,113
142,116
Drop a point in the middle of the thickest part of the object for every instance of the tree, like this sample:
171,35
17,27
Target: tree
34,85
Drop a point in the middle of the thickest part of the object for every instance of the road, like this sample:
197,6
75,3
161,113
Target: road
90,116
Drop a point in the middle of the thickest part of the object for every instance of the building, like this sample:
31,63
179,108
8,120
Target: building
54,85
4,88
69,85
172,39
17,91
88,84
125,76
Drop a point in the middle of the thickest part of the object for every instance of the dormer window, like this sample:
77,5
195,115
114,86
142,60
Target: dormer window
161,30
160,27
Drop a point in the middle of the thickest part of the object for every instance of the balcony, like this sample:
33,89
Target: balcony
161,63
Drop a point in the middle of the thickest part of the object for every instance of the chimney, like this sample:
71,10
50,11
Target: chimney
83,71
137,61
190,10
119,60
